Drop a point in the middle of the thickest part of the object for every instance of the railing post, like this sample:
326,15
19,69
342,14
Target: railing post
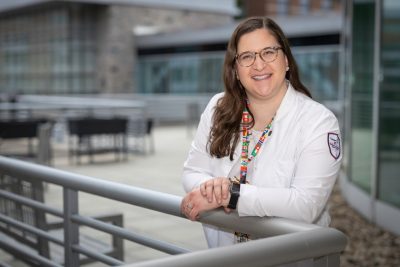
71,230
331,260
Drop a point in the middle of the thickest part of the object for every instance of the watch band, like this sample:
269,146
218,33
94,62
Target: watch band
235,193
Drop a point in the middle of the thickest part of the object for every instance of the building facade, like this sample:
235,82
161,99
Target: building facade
191,62
289,7
73,47
371,76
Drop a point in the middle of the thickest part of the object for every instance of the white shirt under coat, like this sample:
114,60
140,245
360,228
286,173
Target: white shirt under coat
293,174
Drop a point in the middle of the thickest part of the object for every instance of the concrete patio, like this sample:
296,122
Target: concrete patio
159,171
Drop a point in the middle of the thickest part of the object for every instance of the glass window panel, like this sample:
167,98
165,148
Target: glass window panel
89,60
211,74
151,75
76,84
304,6
54,29
319,71
389,130
181,73
90,84
282,7
361,90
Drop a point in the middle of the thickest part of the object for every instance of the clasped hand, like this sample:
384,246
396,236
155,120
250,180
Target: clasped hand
211,194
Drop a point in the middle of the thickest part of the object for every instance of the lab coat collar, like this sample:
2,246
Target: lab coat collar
286,105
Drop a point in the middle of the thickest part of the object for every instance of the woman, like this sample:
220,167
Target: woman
263,147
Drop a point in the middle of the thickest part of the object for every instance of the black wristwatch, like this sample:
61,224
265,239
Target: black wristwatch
235,193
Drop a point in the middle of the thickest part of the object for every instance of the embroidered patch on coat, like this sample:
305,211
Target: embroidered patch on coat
334,145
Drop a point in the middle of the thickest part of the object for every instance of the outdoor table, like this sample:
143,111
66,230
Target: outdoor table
85,134
20,129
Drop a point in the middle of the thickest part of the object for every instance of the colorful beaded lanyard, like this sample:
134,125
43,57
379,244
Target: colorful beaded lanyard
245,159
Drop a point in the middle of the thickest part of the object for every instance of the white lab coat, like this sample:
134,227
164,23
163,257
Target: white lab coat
293,174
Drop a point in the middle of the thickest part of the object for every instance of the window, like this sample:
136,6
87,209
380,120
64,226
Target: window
319,71
389,109
362,94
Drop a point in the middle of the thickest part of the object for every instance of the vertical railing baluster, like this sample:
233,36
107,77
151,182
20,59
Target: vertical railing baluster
333,260
71,230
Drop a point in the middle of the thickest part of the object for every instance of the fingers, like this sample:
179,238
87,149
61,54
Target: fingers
217,187
187,208
191,212
203,189
194,202
227,210
221,192
225,188
218,190
207,190
183,206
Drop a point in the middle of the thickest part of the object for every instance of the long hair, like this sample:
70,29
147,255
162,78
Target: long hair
225,132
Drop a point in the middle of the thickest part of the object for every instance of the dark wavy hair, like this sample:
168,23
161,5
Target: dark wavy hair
225,132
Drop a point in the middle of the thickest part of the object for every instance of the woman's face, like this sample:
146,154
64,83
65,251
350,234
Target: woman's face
261,80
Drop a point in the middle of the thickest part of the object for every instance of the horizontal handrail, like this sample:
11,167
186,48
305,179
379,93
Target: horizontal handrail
138,238
94,255
27,253
88,221
257,227
262,252
30,229
145,198
288,240
31,203
157,201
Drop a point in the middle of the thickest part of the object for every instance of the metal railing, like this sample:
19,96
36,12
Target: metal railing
278,241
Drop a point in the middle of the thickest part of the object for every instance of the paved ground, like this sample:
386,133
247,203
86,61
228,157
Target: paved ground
161,171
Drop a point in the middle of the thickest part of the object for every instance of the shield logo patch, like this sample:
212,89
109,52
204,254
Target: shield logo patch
334,145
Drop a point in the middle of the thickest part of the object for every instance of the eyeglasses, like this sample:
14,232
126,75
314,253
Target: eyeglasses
268,54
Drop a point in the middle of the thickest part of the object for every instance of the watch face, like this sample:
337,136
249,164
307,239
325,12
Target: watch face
235,189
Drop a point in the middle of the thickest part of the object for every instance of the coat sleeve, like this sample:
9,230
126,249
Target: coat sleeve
316,169
197,167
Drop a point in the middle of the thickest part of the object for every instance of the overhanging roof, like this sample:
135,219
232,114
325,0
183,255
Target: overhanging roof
296,26
16,4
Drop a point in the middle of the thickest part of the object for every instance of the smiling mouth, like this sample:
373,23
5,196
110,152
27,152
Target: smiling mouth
261,77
